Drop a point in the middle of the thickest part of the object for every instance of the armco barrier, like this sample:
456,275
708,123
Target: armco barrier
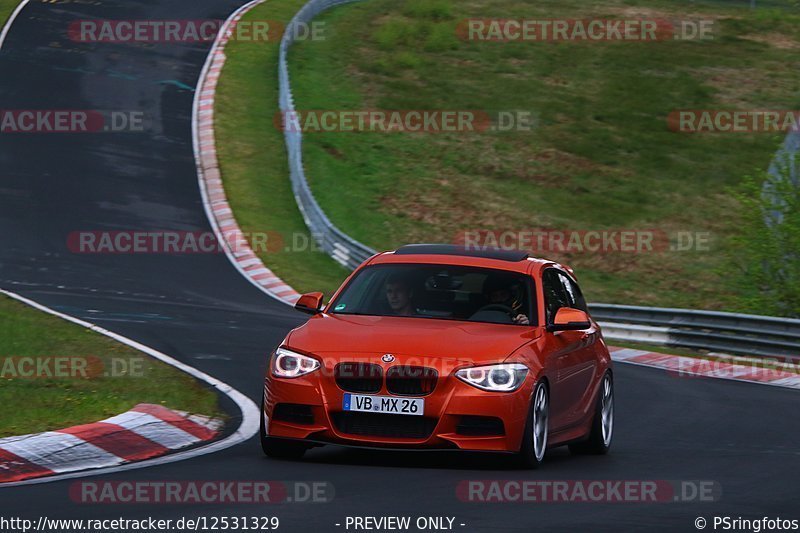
708,330
331,239
747,334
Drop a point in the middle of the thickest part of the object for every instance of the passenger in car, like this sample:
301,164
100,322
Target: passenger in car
399,295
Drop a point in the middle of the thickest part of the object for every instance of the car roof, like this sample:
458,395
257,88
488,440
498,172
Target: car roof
465,251
452,254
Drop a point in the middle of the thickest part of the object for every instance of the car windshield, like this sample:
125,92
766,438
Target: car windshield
439,292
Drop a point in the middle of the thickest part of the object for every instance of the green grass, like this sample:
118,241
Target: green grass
602,157
253,157
38,404
6,8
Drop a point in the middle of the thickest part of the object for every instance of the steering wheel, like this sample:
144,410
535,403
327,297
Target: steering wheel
498,307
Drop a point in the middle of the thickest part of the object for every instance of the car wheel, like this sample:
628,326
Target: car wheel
534,440
599,441
279,448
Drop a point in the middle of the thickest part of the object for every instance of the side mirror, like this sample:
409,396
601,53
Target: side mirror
568,319
310,303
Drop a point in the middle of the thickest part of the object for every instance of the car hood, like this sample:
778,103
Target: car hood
370,335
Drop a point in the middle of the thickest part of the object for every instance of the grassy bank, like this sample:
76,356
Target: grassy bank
253,157
103,378
6,8
601,157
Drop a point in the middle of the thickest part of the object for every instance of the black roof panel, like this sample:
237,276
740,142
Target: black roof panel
466,251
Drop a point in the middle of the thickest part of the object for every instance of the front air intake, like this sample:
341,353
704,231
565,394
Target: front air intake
411,380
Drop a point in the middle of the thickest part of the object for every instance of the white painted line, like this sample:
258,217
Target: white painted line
11,20
250,421
248,427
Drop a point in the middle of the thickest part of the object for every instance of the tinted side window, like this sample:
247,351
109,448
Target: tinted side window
574,294
555,296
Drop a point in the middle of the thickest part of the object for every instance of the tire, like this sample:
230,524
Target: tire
602,432
279,448
534,438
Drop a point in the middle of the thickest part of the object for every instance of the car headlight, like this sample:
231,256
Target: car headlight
497,378
289,364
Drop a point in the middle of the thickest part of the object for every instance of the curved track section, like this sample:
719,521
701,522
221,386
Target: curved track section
246,425
199,310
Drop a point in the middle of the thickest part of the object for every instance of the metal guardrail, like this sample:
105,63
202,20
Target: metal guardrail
727,332
785,162
343,248
708,330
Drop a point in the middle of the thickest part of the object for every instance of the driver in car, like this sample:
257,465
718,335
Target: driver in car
502,293
399,295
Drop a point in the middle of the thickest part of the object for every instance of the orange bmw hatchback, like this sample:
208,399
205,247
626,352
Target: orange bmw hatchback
443,347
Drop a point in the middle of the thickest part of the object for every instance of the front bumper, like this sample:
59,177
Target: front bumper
451,411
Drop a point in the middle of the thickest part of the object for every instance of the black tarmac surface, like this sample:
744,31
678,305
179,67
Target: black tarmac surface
200,310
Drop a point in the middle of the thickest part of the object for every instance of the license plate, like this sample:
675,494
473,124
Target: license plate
384,404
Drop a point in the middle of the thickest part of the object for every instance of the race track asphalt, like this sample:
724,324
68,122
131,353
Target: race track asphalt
198,309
